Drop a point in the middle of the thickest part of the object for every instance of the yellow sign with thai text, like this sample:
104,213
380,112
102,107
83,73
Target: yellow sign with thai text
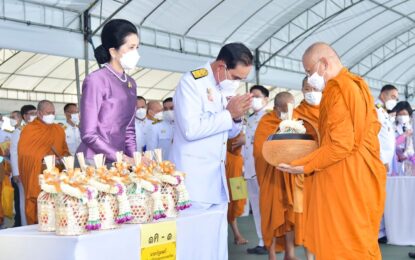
158,241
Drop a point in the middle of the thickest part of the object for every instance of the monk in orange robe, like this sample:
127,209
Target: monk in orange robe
234,168
281,194
40,138
5,172
348,190
308,111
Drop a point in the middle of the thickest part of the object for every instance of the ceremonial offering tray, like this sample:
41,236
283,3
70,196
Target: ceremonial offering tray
78,200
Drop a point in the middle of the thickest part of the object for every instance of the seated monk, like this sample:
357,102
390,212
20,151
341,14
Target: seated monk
234,168
40,138
281,201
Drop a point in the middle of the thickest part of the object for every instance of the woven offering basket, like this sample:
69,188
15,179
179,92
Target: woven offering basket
285,148
141,205
71,216
169,198
46,211
108,210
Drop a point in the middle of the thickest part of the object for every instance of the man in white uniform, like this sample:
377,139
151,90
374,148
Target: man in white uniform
161,135
204,120
141,123
73,136
28,113
260,99
386,102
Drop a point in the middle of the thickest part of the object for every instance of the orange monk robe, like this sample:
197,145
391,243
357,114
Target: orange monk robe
234,167
36,141
309,114
5,172
348,191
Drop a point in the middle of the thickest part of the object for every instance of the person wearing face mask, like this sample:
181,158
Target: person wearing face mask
207,113
281,212
28,114
109,96
405,154
38,139
161,134
141,124
154,117
348,186
9,124
71,126
259,101
386,102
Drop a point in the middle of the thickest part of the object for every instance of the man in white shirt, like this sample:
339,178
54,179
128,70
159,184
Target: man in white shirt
387,100
141,123
204,120
259,101
161,135
28,114
71,126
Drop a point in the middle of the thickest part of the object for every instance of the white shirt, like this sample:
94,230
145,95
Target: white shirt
73,137
202,127
14,158
5,136
248,150
161,137
141,133
386,134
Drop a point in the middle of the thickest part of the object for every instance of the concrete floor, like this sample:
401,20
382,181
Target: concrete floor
247,228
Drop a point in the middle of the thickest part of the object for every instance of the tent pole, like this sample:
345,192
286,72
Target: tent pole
78,84
87,38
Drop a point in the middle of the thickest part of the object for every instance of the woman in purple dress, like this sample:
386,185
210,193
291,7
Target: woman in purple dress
109,95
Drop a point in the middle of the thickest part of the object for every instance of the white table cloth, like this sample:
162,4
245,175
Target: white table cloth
400,210
197,238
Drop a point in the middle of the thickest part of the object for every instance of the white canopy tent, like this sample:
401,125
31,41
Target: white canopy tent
42,39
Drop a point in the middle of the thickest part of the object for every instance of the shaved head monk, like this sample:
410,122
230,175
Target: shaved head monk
348,190
40,138
280,193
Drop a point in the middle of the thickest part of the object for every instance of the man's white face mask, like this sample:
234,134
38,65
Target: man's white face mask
141,113
313,98
257,103
228,87
32,118
316,81
48,119
75,118
390,104
168,115
159,116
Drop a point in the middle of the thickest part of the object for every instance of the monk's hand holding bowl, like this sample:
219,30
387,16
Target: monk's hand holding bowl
291,169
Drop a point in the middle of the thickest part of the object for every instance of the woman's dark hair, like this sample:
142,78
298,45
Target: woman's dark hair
113,36
235,53
403,105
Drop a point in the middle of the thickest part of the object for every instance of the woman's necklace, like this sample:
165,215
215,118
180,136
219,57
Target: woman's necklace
113,72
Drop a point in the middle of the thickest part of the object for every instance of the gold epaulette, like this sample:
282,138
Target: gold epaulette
199,73
379,105
156,121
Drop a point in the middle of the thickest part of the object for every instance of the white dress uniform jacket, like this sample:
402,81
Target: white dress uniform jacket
202,127
141,133
248,152
73,137
386,135
161,137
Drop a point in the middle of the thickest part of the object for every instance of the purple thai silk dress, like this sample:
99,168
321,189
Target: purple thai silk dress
107,114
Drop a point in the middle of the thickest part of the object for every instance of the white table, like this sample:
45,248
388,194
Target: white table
400,210
197,238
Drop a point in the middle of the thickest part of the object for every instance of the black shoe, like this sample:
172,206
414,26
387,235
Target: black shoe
258,250
383,240
411,254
